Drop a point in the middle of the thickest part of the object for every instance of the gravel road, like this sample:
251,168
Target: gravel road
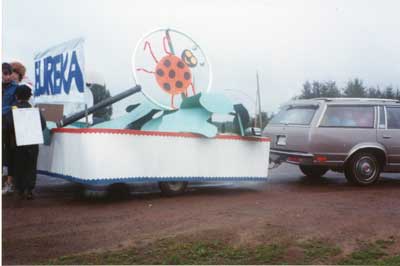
59,222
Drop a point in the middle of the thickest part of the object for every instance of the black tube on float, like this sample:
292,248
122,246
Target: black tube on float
75,117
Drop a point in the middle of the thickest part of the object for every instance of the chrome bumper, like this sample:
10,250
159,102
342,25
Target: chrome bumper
278,157
304,158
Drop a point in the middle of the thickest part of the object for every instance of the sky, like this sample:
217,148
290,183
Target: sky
287,42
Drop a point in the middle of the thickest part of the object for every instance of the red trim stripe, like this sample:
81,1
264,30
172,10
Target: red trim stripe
150,133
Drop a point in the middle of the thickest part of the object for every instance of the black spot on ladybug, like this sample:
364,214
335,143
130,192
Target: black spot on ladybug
180,64
186,75
167,63
171,74
166,86
160,72
179,84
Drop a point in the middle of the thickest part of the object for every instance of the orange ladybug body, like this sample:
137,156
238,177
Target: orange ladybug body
173,75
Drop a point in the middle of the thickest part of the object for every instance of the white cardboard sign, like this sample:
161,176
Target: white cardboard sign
28,128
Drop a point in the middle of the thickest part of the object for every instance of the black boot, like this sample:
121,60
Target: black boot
21,194
29,195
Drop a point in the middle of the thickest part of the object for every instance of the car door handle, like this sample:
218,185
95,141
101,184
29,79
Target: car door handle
387,137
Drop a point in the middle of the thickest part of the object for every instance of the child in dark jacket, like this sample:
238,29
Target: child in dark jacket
25,157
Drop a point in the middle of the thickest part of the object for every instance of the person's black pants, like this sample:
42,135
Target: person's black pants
7,153
25,161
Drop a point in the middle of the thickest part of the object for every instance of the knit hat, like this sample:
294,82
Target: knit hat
23,92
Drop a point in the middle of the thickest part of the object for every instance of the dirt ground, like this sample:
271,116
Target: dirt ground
58,222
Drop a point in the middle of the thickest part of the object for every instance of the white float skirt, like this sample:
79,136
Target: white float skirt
107,156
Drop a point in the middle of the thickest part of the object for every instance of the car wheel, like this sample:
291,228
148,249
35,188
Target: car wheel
362,169
172,188
313,171
118,191
94,194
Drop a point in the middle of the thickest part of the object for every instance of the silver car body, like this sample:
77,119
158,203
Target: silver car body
318,143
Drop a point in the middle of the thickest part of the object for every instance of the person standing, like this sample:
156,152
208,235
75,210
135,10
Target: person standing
8,99
25,157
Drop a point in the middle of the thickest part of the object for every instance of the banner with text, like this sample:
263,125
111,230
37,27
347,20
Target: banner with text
59,74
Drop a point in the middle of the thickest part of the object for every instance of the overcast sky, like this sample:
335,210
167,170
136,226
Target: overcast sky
288,42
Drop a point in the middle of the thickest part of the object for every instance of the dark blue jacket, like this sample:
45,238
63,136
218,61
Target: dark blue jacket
8,99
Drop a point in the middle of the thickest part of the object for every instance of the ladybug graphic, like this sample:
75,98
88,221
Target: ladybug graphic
172,74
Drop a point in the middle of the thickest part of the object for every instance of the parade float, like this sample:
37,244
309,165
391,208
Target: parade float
169,137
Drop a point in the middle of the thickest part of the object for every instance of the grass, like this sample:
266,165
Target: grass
190,251
318,251
372,254
395,260
177,252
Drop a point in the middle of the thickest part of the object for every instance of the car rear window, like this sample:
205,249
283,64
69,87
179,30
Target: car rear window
349,116
393,117
294,115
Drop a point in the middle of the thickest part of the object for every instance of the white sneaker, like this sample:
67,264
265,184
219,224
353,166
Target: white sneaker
6,188
5,171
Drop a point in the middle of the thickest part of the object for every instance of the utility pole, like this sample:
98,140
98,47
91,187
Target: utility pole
258,97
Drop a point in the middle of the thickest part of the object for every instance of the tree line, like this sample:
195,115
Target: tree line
354,88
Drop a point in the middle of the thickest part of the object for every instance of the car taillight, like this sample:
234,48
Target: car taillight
294,159
320,159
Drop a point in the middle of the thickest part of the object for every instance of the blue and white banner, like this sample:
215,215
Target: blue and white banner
60,77
59,73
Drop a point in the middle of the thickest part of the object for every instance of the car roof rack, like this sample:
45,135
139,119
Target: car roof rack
358,99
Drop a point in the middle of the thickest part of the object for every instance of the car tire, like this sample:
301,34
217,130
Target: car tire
118,191
363,169
172,188
313,171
